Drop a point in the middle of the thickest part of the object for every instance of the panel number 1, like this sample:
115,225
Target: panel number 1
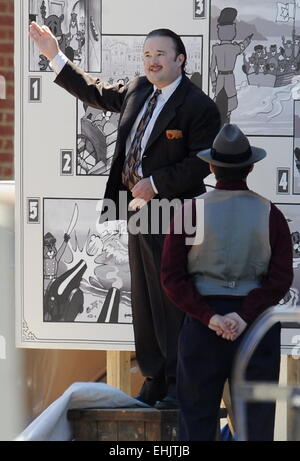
35,89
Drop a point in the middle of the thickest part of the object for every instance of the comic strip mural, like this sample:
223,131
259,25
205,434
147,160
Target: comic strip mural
77,26
73,280
86,272
255,63
122,58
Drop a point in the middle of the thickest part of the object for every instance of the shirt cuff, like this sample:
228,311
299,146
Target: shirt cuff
58,62
153,185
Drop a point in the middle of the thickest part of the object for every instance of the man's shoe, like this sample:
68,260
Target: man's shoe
152,390
167,403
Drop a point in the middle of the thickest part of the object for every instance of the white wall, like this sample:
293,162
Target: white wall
12,381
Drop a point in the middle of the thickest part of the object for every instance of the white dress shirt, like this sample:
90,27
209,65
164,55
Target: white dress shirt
166,93
59,61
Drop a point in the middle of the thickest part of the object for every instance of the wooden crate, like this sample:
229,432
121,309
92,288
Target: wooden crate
128,424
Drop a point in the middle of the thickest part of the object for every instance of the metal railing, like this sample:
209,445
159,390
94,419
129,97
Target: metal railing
250,391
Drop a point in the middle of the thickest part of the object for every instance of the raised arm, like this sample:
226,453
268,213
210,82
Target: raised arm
74,80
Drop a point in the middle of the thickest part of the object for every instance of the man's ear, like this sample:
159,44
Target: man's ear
180,59
211,167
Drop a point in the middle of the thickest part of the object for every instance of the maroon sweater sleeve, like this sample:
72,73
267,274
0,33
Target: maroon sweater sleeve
175,278
280,272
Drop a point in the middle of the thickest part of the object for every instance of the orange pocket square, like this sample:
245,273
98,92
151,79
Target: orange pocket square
174,134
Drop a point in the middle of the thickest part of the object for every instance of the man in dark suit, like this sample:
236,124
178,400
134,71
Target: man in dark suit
164,121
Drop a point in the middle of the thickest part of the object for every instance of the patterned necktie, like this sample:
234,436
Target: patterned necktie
130,175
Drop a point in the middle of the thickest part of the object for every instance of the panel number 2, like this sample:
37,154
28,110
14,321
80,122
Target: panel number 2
283,181
66,163
33,211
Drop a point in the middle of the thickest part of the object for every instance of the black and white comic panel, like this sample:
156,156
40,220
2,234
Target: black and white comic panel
122,60
77,26
86,271
296,163
255,64
292,215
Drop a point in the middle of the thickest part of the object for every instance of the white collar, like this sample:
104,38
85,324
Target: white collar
167,91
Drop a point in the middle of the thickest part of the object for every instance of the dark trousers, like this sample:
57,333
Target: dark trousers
156,321
205,361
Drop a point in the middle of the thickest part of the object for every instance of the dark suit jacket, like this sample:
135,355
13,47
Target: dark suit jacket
173,164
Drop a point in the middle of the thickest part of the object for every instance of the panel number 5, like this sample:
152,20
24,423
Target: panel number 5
33,210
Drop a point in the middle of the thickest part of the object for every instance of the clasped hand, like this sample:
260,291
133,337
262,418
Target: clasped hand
229,326
142,192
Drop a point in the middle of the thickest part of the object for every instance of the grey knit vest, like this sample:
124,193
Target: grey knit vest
235,253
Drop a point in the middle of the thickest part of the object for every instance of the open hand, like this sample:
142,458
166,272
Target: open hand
44,39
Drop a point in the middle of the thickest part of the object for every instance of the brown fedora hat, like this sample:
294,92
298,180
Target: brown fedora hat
231,149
